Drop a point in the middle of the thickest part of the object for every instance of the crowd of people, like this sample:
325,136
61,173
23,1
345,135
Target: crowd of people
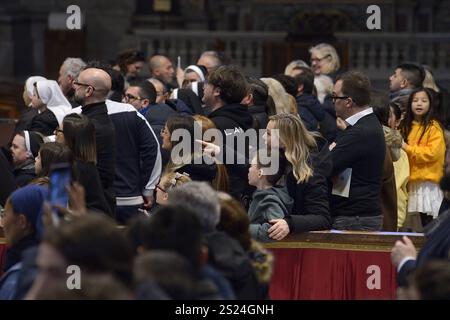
330,153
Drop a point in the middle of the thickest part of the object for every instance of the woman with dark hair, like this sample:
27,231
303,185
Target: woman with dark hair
50,153
187,157
131,62
78,134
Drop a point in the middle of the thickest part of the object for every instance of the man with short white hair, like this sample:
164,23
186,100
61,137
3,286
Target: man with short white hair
68,73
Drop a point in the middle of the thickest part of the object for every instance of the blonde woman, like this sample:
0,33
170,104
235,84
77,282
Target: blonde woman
169,181
284,102
324,59
305,178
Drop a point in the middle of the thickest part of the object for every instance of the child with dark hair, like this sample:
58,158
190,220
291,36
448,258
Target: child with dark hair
426,151
269,200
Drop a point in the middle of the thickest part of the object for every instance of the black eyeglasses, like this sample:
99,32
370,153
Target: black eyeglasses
129,97
84,85
320,59
337,97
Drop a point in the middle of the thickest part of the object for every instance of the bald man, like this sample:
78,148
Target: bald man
210,60
162,69
91,89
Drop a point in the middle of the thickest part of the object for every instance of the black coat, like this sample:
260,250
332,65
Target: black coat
328,124
25,173
228,257
260,117
233,120
105,139
44,122
89,178
311,209
8,183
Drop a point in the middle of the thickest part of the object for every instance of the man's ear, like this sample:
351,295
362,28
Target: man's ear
70,78
403,83
300,88
204,253
145,103
216,92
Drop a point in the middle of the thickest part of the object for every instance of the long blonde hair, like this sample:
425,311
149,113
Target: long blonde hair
282,100
297,143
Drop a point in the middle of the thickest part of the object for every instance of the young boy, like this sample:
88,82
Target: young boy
269,201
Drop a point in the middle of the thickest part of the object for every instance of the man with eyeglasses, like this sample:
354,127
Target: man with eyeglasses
138,158
140,95
358,157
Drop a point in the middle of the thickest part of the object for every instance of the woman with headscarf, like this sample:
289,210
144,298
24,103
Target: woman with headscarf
22,225
28,113
52,106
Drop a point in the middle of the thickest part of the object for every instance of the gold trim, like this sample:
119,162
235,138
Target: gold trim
320,245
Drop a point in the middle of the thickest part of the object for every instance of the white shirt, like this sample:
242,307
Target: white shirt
355,118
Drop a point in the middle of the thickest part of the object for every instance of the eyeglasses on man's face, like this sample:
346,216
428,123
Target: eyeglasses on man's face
130,97
83,85
334,97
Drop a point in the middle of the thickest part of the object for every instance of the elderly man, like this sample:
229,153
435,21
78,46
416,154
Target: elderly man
68,73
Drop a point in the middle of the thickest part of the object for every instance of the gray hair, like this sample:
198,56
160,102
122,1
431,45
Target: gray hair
73,66
323,50
200,198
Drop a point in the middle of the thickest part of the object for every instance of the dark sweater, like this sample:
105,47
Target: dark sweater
360,147
233,120
44,122
105,139
89,178
311,209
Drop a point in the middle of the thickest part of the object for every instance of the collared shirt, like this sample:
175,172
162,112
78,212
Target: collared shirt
352,120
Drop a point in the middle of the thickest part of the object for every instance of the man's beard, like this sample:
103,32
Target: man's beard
78,99
445,182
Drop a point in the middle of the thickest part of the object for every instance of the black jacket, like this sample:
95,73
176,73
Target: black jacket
328,124
44,122
260,117
8,184
25,119
361,147
25,173
310,110
138,161
200,172
89,178
233,120
157,115
311,209
227,256
105,139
